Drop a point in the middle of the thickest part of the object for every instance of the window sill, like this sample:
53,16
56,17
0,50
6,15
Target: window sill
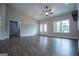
62,32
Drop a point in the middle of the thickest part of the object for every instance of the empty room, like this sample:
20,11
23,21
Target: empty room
39,29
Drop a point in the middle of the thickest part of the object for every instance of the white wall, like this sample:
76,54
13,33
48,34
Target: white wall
73,26
78,24
28,26
78,16
3,33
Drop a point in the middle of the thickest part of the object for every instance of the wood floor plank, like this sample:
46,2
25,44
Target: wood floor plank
40,46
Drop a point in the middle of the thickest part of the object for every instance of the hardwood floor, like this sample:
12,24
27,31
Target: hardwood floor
41,46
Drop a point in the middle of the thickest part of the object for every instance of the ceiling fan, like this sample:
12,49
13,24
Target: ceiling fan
47,11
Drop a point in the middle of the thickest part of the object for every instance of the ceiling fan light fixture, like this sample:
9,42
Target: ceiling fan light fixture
46,13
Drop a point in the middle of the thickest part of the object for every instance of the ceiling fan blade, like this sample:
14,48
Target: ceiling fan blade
46,11
51,13
46,6
49,10
43,10
46,15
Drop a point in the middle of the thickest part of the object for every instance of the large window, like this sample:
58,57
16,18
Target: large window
43,27
61,26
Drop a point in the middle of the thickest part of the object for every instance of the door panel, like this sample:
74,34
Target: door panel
14,29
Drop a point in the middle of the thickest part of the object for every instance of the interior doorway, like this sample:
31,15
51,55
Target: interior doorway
14,28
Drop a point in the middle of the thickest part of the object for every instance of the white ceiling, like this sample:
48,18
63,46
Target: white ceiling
35,9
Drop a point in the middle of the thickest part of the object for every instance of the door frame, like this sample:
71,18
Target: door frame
18,28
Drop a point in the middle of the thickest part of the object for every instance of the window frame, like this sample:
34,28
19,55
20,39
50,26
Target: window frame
54,26
43,26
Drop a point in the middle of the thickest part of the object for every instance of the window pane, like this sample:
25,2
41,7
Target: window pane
41,28
45,27
58,23
58,30
58,26
61,26
54,26
65,26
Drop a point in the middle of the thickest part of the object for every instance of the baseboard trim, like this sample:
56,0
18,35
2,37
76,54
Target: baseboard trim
3,38
4,54
26,36
60,36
